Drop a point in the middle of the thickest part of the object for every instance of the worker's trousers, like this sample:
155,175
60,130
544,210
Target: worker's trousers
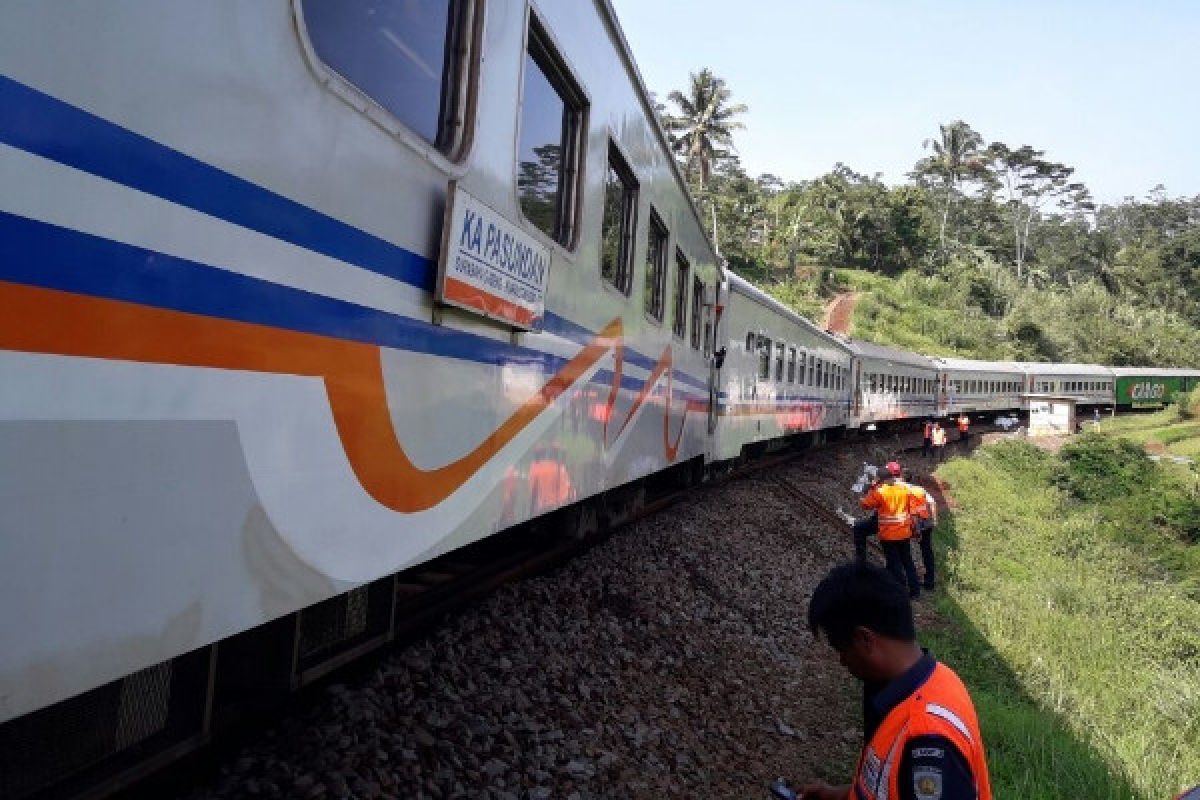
864,529
926,529
898,556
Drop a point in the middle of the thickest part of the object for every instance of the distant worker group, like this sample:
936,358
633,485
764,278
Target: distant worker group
933,437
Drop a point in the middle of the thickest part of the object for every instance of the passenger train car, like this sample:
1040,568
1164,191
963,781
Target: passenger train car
296,295
967,385
890,384
781,375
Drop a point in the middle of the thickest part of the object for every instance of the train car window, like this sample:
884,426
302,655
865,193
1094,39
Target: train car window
619,222
791,368
750,339
550,140
709,333
764,357
679,317
412,59
779,348
697,310
656,266
818,374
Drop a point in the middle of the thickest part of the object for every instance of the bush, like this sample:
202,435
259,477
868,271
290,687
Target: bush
1096,468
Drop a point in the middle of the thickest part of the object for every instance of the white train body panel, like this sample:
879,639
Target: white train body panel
890,384
1088,384
761,396
967,386
223,394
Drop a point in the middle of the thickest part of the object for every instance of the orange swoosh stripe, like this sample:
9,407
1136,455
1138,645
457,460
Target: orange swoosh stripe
101,328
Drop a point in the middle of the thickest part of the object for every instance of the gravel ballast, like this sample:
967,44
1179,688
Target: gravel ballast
672,660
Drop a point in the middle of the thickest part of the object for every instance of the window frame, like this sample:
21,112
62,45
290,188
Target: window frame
698,294
577,106
791,365
468,16
616,162
683,270
654,227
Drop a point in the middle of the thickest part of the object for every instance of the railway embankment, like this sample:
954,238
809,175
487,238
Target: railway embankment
1072,611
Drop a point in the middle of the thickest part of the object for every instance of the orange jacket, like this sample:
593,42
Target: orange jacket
890,502
941,707
963,423
928,431
920,504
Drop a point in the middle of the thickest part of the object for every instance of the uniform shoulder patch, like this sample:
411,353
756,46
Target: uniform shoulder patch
927,783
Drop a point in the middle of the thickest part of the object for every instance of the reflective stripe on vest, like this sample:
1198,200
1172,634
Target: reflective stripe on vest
941,707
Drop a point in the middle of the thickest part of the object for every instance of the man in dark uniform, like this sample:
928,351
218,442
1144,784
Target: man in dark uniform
922,738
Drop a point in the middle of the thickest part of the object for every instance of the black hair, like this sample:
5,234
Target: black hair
851,596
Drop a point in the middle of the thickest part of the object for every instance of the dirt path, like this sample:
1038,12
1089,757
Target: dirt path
839,312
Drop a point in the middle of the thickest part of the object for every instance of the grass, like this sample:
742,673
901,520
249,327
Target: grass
1071,611
1170,430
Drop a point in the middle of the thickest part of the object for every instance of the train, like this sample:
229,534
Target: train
298,295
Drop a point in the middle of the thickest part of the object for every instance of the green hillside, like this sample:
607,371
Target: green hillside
975,310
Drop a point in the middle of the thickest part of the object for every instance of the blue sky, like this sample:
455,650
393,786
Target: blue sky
1110,88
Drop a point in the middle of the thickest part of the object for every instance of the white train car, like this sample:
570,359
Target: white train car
966,386
781,375
889,384
298,294
1087,384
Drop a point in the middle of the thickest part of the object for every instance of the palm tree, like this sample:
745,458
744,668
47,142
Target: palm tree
702,131
955,157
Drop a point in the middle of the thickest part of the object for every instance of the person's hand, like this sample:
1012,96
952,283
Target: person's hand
823,791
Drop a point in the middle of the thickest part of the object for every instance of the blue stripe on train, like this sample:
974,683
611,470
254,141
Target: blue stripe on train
38,123
40,254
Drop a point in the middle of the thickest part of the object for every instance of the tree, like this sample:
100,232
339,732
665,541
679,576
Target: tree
1030,183
702,130
955,160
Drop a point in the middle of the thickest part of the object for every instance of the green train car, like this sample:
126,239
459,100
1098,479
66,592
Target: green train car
1149,387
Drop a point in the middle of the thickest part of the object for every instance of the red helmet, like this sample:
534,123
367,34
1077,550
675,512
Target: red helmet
892,467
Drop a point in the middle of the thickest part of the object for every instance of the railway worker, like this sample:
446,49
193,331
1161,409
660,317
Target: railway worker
921,733
889,500
923,509
939,442
964,427
927,438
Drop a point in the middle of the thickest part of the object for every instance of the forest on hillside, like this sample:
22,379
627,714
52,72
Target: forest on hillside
988,250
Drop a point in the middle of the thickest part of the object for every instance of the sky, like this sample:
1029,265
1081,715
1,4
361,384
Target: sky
1110,88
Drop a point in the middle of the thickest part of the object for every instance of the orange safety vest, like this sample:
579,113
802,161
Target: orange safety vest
928,430
941,707
918,501
963,423
890,501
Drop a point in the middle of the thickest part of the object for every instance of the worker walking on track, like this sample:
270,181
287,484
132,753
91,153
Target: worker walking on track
923,509
964,428
939,442
922,739
927,438
889,500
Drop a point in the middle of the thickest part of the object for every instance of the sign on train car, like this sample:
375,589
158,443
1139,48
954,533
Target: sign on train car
1148,391
490,266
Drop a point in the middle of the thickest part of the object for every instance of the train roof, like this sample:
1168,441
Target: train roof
975,365
747,289
881,352
1123,372
1047,368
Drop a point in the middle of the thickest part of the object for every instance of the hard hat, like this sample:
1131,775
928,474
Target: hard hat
892,467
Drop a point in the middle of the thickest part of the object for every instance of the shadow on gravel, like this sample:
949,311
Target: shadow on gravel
1032,753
